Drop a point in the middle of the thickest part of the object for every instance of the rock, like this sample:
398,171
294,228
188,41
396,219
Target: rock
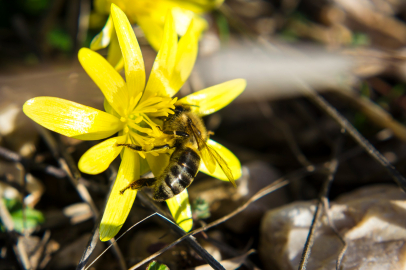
371,221
17,130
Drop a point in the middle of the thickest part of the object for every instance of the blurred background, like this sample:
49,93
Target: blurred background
350,52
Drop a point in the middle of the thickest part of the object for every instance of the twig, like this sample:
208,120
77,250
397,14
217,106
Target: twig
39,251
190,240
23,182
265,191
67,164
18,245
353,132
288,134
342,252
118,238
316,218
29,165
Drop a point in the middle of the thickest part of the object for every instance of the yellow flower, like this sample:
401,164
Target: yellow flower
150,16
131,111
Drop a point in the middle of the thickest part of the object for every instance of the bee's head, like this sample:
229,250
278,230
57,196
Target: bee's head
179,108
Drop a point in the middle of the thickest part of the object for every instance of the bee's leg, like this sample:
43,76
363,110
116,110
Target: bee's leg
209,133
139,148
131,146
176,133
137,184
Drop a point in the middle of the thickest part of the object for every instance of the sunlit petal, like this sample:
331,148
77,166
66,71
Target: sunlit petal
71,119
159,79
102,40
107,79
183,17
133,61
231,160
118,206
181,210
98,158
185,58
214,98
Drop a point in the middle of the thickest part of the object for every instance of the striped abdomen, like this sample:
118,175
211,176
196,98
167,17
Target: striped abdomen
178,175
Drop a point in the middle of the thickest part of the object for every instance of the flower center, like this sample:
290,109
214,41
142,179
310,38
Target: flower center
141,121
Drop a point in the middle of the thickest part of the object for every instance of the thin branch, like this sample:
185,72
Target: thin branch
344,248
190,240
18,245
353,132
29,165
332,169
118,238
288,134
265,191
68,165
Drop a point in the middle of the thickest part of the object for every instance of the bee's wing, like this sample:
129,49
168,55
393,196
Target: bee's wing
210,156
223,165
205,154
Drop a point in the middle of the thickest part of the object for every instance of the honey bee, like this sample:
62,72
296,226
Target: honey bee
190,138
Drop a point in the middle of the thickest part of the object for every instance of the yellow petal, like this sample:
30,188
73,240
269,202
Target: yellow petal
214,98
164,62
98,158
120,65
118,206
71,119
107,79
183,17
133,62
153,31
102,40
109,109
185,58
231,160
181,210
114,56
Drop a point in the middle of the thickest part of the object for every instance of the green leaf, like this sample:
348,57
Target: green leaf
200,208
154,265
32,219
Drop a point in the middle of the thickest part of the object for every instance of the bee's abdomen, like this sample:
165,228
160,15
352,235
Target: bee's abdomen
182,172
182,169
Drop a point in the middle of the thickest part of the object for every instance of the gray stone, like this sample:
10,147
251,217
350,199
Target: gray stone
371,220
